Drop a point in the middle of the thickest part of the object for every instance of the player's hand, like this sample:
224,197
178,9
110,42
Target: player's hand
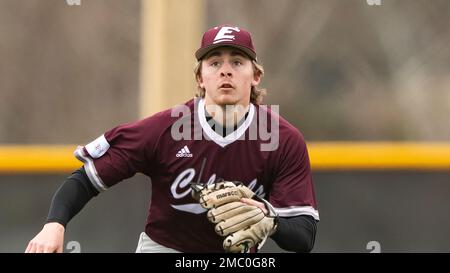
223,192
244,219
245,224
49,240
256,204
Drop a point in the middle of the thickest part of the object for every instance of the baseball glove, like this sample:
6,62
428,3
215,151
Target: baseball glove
244,225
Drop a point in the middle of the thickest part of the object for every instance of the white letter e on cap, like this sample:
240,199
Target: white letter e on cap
223,34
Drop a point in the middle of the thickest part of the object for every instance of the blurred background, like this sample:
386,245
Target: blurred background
342,71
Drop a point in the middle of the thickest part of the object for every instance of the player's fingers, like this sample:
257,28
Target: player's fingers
29,248
239,241
255,203
39,248
227,211
239,222
49,249
32,247
220,197
59,249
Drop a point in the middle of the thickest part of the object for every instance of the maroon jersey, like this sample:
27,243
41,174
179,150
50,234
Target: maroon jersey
169,148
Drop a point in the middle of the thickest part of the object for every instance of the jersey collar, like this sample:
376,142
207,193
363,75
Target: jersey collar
217,138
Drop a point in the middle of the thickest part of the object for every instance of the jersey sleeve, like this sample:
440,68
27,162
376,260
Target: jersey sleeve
118,154
292,192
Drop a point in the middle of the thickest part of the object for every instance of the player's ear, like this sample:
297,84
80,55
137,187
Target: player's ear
256,78
258,72
198,74
200,80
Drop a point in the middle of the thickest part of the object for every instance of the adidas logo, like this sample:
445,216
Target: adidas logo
184,152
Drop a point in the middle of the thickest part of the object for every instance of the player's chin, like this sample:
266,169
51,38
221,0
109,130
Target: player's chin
226,100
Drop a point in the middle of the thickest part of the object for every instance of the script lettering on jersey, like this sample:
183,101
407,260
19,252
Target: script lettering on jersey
181,188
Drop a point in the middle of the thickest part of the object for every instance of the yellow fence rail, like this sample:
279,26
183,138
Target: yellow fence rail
38,159
323,155
380,155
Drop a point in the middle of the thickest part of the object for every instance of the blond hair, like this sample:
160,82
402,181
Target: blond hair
256,94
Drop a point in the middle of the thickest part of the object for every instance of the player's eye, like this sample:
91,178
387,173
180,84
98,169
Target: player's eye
237,63
214,64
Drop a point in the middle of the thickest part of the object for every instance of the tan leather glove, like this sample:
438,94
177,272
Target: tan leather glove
244,226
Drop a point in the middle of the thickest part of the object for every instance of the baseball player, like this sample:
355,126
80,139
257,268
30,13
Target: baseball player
218,182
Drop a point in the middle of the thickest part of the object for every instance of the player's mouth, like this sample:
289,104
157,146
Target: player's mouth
226,86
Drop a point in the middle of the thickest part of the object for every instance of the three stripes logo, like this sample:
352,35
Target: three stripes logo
184,152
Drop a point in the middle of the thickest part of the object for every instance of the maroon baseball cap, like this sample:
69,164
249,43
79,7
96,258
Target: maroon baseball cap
226,35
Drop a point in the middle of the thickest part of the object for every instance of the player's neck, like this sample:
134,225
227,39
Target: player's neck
226,115
223,130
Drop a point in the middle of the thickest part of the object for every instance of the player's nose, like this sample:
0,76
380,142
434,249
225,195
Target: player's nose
226,70
228,74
